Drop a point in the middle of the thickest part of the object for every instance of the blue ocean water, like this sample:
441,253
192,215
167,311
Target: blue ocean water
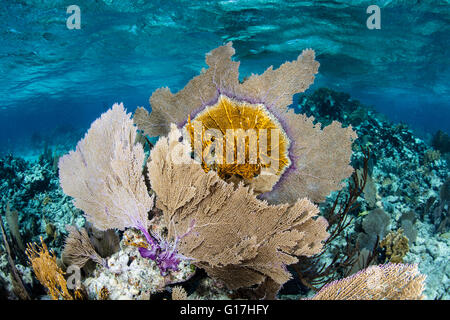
52,76
55,81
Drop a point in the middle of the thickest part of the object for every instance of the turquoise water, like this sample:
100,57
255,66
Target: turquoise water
391,84
54,76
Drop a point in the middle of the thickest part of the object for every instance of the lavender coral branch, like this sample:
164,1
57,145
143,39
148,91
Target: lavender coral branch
163,252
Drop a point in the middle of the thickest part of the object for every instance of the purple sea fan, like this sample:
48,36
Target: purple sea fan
104,176
303,160
245,142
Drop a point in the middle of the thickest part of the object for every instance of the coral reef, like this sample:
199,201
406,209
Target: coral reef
408,190
105,174
42,208
171,213
127,275
396,246
441,142
333,106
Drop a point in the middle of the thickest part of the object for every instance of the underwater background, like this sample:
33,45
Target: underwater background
391,84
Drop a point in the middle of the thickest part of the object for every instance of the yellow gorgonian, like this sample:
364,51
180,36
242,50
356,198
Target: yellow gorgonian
246,132
47,271
245,125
